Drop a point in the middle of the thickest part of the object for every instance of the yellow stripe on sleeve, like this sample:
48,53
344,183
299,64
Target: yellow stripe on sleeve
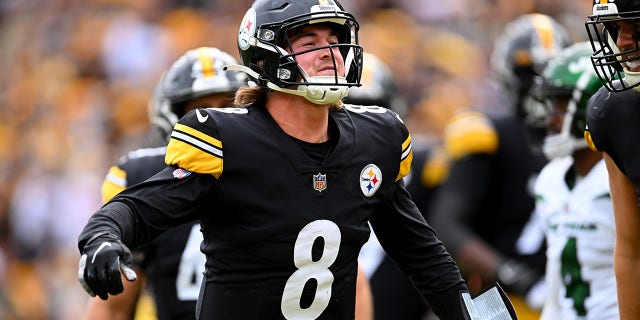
191,158
114,183
406,159
198,134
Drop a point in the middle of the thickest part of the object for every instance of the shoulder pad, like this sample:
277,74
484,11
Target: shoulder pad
470,132
384,116
371,110
195,145
114,183
436,168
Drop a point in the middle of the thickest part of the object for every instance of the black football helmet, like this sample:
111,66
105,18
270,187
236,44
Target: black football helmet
264,48
521,52
378,87
612,63
197,73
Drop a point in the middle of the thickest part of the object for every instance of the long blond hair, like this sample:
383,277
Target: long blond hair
249,95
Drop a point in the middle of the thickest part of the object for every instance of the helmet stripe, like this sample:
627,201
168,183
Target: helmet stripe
206,62
544,27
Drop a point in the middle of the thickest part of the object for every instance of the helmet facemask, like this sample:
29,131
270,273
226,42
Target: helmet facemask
565,142
270,63
565,87
610,63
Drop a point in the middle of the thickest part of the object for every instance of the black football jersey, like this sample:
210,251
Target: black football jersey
429,169
611,122
489,188
281,233
172,262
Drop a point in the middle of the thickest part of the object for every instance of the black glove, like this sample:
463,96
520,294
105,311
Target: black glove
103,258
517,277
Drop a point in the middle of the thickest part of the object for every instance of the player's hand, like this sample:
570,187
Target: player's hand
100,265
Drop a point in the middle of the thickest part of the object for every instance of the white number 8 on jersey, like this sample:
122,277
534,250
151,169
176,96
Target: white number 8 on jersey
309,269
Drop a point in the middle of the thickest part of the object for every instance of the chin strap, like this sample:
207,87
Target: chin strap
241,68
557,146
318,94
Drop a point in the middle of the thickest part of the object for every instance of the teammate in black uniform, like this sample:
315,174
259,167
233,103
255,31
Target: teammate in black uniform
613,115
172,262
394,297
482,207
284,187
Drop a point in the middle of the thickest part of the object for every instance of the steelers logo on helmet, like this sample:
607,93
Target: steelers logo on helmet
604,7
370,179
247,29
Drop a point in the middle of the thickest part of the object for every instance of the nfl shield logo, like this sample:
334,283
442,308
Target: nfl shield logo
319,182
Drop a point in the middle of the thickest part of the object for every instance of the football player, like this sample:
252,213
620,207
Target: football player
284,187
572,196
487,199
612,119
172,264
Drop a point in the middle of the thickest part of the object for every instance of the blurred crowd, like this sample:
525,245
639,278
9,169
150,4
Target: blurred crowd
77,77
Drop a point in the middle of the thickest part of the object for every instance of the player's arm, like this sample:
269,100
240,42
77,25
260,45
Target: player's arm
364,298
471,140
119,307
454,208
134,217
141,212
627,249
413,245
123,306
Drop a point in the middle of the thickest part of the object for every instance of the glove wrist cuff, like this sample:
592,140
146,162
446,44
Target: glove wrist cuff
104,234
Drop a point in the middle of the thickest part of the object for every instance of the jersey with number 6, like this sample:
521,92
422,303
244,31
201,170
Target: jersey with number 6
579,226
173,262
281,233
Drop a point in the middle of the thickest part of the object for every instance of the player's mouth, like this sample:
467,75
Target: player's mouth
634,64
326,69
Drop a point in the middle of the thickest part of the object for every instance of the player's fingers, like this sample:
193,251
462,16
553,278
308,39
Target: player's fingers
94,280
82,267
112,278
128,272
